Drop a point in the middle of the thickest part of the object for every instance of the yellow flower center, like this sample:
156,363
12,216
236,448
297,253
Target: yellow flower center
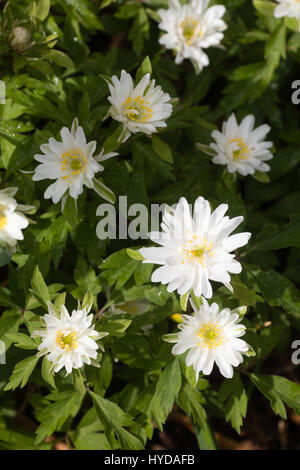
196,250
68,341
3,222
138,109
211,336
189,27
242,153
73,162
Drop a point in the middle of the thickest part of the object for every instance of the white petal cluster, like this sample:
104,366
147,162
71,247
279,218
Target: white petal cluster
195,249
12,221
141,108
211,336
191,28
68,340
289,8
70,162
241,147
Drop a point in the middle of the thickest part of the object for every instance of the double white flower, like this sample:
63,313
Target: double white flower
195,249
71,163
241,147
212,336
289,8
69,340
141,108
11,220
191,28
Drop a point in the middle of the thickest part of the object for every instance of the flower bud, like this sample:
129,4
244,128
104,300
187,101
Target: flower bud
20,39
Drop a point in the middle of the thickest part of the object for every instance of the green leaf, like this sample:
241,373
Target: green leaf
262,177
243,293
85,12
85,439
64,405
233,396
106,3
59,301
278,291
78,382
104,191
88,300
134,350
170,338
86,277
22,341
114,419
118,268
60,58
5,256
21,373
9,323
143,69
206,149
20,440
112,143
42,9
197,300
292,23
274,51
70,211
273,237
165,395
5,298
265,7
191,401
135,254
162,149
188,371
184,301
39,288
140,29
115,327
47,374
89,433
158,399
278,390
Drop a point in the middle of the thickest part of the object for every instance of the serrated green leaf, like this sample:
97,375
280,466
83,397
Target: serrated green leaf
234,398
39,288
47,372
21,373
113,419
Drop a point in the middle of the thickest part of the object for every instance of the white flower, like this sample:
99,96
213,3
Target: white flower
11,220
68,340
191,28
289,8
211,336
70,162
241,147
195,250
141,108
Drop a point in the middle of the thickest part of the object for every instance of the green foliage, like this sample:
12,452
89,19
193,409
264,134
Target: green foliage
233,394
59,407
279,391
57,58
21,373
114,420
